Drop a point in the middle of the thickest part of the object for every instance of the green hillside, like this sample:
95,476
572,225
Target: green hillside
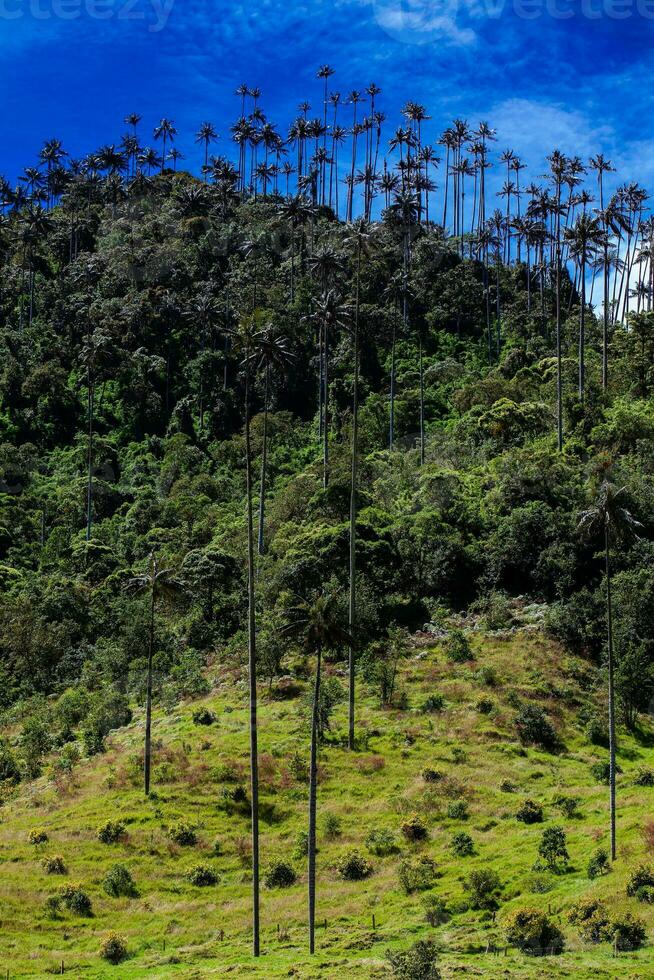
174,928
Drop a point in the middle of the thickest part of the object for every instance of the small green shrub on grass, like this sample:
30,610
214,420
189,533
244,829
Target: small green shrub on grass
431,775
436,910
203,716
74,898
118,882
553,850
332,826
485,706
54,865
640,879
111,832
567,805
382,842
530,812
433,704
416,963
457,648
534,728
414,829
353,866
532,932
601,772
457,810
644,777
280,874
38,836
114,949
462,844
183,833
417,874
598,864
628,932
483,886
202,875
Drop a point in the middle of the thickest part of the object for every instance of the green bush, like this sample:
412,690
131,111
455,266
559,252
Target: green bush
641,877
483,887
534,728
431,775
597,732
114,948
381,842
280,874
553,849
75,899
54,865
9,768
332,826
530,812
417,874
485,706
416,963
203,716
301,848
628,932
458,648
591,920
644,777
202,875
462,844
38,836
532,932
118,882
436,910
353,866
567,805
183,833
457,810
601,772
433,704
598,864
111,832
110,710
414,829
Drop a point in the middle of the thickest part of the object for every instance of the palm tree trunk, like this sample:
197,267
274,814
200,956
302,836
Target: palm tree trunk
609,620
391,427
89,477
353,510
313,785
325,429
264,462
559,364
147,756
582,329
252,670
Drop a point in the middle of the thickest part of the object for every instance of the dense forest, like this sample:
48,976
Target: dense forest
302,405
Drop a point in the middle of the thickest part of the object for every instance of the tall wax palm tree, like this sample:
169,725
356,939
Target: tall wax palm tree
609,517
558,167
206,135
159,582
166,132
95,350
271,353
584,238
329,314
316,624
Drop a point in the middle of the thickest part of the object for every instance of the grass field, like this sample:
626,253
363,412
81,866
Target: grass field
176,929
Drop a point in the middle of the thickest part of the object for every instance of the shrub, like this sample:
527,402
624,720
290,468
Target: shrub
414,829
628,932
597,732
436,911
459,756
601,772
416,963
234,800
118,882
301,848
534,728
417,874
644,777
553,849
457,810
55,865
353,866
567,805
433,704
530,812
431,775
280,874
598,864
75,899
111,832
462,844
114,948
332,826
591,920
183,833
9,768
642,877
533,932
110,711
202,875
487,676
483,886
485,706
203,716
381,842
458,648
38,836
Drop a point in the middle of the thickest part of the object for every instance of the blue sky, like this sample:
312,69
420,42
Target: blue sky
543,72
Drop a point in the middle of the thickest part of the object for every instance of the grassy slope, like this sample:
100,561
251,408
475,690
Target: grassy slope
173,928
